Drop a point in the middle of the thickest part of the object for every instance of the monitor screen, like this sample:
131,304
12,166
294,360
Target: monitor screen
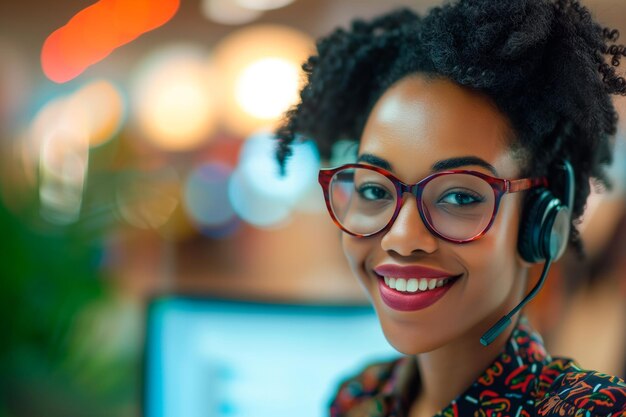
214,358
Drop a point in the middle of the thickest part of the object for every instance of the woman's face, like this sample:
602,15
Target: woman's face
415,125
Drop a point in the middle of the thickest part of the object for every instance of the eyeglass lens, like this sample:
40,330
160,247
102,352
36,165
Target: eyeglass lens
457,206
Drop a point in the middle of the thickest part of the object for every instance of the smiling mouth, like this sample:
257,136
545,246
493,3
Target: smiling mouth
411,294
413,285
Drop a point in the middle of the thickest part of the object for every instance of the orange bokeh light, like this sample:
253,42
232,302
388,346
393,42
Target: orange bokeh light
94,32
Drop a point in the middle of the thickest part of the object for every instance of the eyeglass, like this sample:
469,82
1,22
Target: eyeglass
456,205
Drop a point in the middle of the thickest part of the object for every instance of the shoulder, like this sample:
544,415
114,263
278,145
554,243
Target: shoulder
368,389
567,390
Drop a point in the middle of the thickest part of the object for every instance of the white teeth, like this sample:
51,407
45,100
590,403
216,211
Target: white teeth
414,284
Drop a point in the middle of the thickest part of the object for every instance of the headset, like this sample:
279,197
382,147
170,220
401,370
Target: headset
543,236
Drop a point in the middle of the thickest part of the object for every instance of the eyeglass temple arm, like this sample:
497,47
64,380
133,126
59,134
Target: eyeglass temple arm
513,186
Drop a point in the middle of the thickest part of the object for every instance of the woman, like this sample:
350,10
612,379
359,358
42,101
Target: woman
479,126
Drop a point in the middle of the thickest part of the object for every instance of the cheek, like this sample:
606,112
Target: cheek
356,252
506,229
493,261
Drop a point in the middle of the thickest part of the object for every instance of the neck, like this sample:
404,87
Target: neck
448,371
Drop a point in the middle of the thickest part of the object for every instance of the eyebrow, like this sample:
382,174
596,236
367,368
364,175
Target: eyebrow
443,165
374,160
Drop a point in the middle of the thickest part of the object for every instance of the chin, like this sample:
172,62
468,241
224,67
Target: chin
411,338
409,344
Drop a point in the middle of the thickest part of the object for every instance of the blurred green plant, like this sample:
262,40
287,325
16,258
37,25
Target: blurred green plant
60,351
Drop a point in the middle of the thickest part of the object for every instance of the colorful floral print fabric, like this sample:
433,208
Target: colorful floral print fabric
523,381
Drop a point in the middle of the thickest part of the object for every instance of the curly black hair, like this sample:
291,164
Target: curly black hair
546,64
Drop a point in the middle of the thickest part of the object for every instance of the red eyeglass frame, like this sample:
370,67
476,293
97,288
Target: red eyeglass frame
500,187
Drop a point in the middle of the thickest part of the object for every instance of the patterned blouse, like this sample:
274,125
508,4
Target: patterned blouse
523,381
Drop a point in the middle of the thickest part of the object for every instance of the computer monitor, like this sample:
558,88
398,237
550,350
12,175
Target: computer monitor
214,358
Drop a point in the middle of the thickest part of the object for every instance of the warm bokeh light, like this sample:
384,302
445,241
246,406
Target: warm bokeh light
249,62
47,120
174,98
104,109
64,159
93,114
205,196
228,12
94,32
264,4
56,147
268,87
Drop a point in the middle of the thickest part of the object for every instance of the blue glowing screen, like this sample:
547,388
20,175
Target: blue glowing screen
214,358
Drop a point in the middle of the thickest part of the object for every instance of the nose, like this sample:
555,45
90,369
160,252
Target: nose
408,234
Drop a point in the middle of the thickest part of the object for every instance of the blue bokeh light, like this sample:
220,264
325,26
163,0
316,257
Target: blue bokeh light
206,195
260,170
253,206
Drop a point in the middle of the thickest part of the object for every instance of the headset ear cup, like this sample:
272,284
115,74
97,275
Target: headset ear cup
531,242
557,230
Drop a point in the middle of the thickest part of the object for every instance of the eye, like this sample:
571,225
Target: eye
461,198
373,192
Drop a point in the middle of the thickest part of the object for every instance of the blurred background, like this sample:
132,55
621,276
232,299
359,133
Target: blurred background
136,162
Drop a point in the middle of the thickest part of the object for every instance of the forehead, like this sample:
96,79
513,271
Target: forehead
419,121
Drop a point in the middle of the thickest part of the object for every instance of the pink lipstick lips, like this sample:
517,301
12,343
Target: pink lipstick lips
411,288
